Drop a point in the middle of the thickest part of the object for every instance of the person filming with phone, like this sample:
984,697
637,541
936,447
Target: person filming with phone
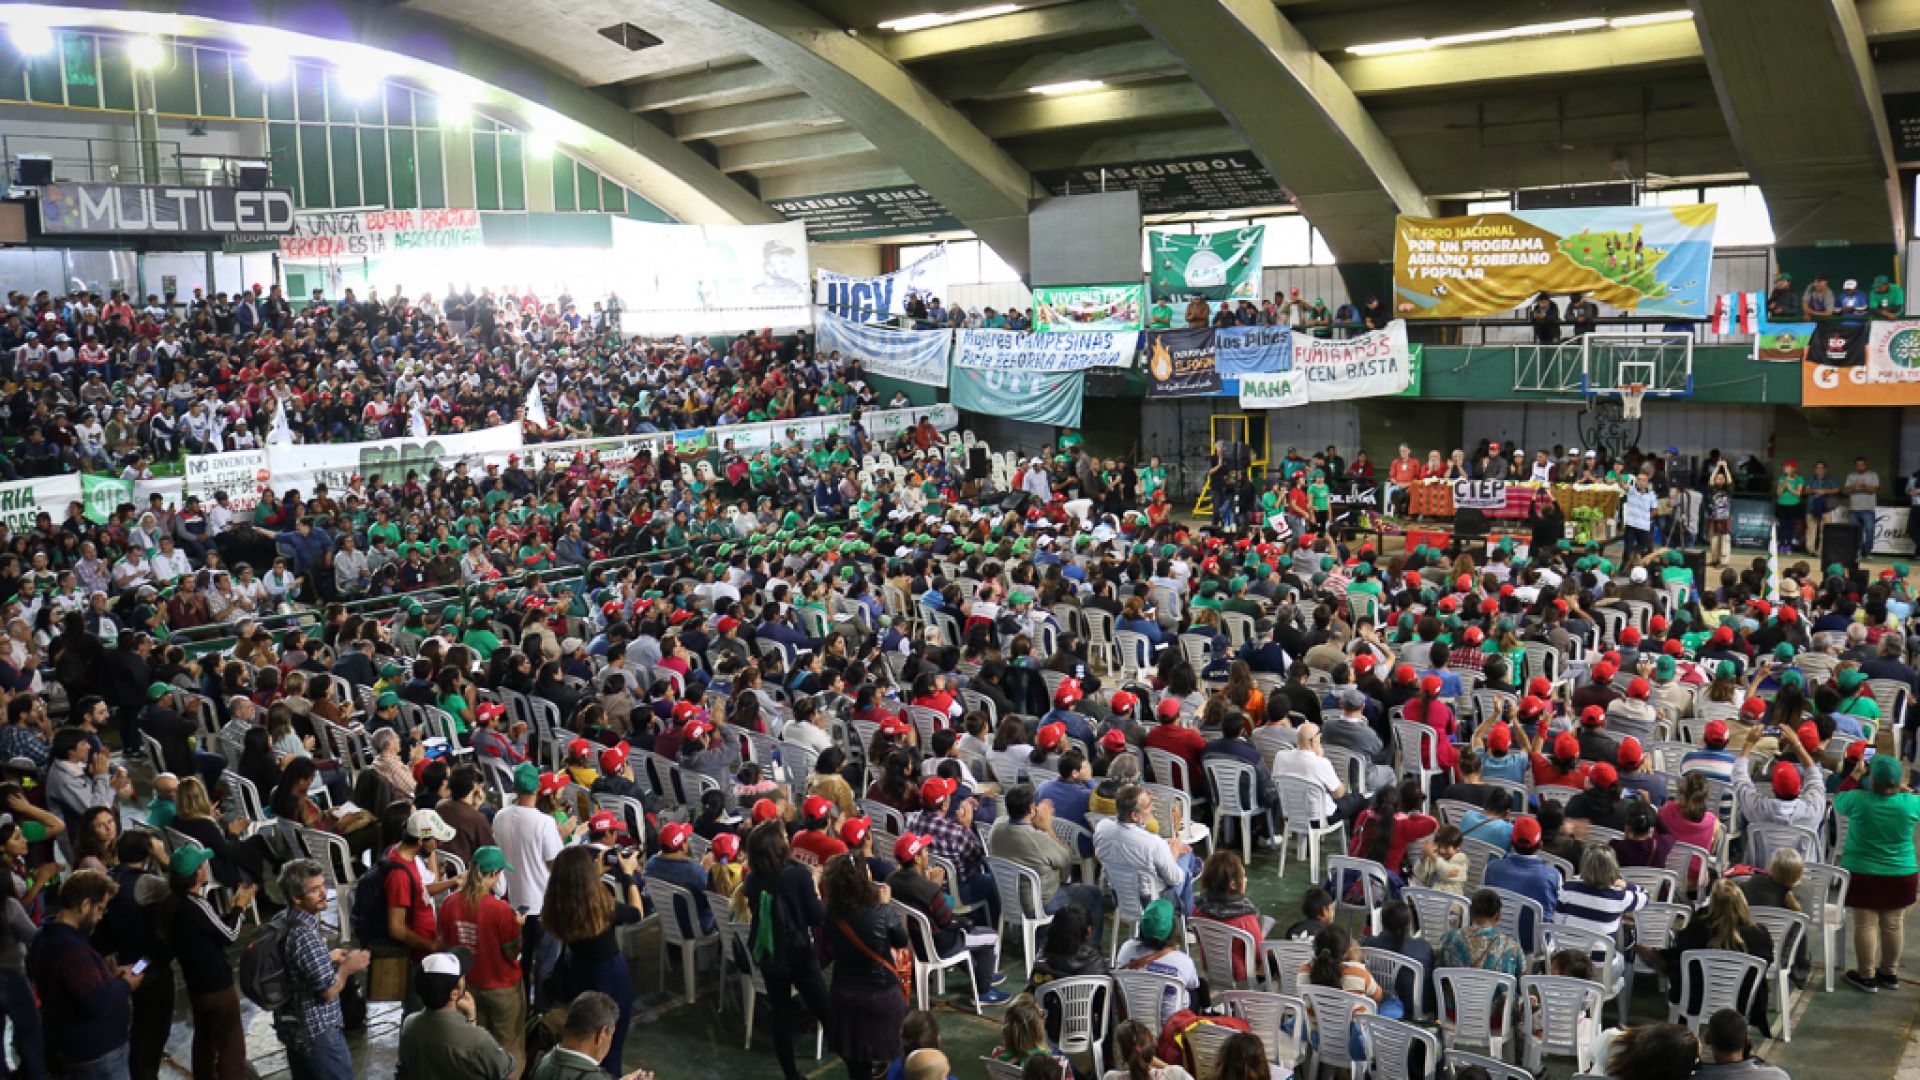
85,1002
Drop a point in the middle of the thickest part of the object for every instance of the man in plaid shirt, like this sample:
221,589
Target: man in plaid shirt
311,1027
953,839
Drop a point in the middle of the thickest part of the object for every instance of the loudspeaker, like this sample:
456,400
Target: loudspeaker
1840,543
1469,524
977,466
251,175
1016,501
36,170
1696,561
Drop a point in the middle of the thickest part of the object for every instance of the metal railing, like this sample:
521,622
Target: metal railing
104,160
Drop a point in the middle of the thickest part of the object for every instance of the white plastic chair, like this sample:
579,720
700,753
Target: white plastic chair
1435,912
1566,1013
1476,1007
1300,805
1479,853
1376,888
1765,838
670,902
1204,1042
1661,884
1822,893
1219,944
1281,961
1788,929
1513,908
1724,979
1021,902
1415,745
1604,951
928,964
1234,799
1081,1004
1458,1060
1150,997
1390,1057
1388,966
1331,1013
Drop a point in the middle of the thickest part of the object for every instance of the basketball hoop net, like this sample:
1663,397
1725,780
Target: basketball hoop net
1631,399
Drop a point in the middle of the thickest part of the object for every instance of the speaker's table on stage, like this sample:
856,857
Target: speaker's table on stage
1434,498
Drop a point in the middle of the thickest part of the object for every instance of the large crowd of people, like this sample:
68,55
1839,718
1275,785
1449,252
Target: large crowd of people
843,720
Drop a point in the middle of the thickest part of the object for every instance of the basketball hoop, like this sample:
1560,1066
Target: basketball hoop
1631,399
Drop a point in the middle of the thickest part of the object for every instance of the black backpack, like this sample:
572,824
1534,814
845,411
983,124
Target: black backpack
370,903
263,973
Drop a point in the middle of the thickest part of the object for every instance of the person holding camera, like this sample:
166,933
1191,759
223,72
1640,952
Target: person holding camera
584,917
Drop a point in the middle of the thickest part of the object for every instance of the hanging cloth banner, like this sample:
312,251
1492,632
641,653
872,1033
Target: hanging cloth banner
239,473
1015,350
1373,364
1066,309
1037,397
1180,363
1213,266
1737,313
332,235
915,356
304,465
877,299
1248,350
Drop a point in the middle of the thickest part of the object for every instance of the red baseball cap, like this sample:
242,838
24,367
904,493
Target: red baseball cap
1404,673
1474,635
1123,701
1068,693
909,846
1363,663
765,810
1168,709
1716,733
697,730
1630,753
1114,741
1593,716
1857,749
1507,589
726,845
1500,738
1447,604
726,623
685,710
1657,624
487,712
1532,706
1786,780
1526,833
1050,735
674,835
1430,684
614,757
1540,686
1604,671
936,789
608,821
1723,634
1565,746
1809,737
1754,706
1630,636
893,726
1639,688
854,830
553,783
579,748
1603,775
1673,646
1489,606
1787,614
817,808
1463,583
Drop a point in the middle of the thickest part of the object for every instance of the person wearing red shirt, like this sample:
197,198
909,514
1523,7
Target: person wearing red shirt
1564,768
1176,738
410,916
476,919
1402,472
813,844
1383,832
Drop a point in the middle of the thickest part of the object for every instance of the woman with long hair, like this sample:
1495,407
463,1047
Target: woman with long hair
1221,895
1687,818
96,841
1137,1046
17,931
199,938
780,896
583,915
1724,924
1244,1057
476,919
868,1000
1384,831
1879,855
1242,692
236,857
898,785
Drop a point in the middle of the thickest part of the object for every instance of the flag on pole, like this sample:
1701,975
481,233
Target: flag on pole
281,434
536,409
1773,563
1736,313
417,421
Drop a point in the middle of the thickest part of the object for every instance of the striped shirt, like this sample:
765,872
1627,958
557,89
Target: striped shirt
1598,911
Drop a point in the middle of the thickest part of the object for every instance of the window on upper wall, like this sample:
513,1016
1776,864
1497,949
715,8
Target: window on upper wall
1489,206
1743,220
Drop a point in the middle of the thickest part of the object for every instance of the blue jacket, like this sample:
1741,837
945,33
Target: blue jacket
1530,876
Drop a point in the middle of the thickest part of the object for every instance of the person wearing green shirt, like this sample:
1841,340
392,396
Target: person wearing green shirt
480,637
1161,316
1886,300
386,528
1789,496
1855,699
1153,478
1321,497
1881,815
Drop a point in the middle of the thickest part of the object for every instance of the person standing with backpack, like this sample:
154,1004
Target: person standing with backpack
306,1001
781,895
401,916
199,936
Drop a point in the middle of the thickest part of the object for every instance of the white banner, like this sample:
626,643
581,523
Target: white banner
1479,494
239,473
304,466
876,299
1372,364
1014,350
712,279
22,501
333,235
1890,535
915,356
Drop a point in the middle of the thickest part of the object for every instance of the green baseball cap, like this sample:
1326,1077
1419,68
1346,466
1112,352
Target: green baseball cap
1783,651
1664,669
1850,678
388,700
1885,772
491,860
1725,670
158,690
526,779
1156,921
188,859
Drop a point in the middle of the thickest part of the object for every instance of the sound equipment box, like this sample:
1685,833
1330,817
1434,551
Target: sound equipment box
1839,543
251,175
1016,501
36,170
977,466
1696,561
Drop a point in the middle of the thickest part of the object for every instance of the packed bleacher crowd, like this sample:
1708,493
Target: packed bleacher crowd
838,702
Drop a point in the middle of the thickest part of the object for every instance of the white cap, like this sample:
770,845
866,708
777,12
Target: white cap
428,825
1850,283
1638,573
441,963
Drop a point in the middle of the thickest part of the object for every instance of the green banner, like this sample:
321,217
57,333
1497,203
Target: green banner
102,495
1783,342
1413,372
1037,397
1214,266
1059,309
